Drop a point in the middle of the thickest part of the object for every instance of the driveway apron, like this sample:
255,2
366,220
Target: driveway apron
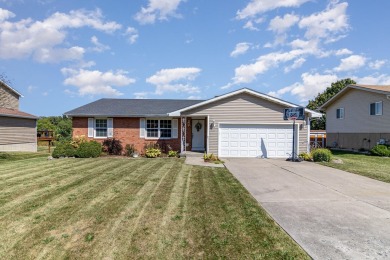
332,214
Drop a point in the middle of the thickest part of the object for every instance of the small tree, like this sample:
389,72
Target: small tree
322,98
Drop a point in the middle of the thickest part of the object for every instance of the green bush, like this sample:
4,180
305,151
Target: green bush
306,156
113,146
4,156
64,149
153,152
89,149
172,153
321,155
380,150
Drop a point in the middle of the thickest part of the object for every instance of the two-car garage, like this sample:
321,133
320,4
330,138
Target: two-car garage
255,140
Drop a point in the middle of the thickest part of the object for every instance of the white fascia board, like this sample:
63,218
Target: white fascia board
243,90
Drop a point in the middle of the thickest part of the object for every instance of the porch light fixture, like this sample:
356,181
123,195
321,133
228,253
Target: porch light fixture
212,124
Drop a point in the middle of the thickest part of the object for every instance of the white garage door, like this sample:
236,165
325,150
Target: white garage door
269,141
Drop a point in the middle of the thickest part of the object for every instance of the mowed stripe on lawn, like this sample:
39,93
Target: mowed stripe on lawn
132,208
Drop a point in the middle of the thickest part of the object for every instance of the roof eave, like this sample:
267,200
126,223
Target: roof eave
20,116
239,91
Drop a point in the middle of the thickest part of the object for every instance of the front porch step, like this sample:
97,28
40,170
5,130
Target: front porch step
193,154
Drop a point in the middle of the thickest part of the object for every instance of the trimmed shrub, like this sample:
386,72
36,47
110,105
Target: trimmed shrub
63,149
113,146
380,150
89,149
153,152
321,155
305,156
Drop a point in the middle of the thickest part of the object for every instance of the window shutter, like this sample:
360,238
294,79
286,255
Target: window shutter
142,127
90,127
372,109
110,127
338,113
174,128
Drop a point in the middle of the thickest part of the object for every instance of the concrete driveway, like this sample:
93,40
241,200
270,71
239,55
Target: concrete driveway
332,214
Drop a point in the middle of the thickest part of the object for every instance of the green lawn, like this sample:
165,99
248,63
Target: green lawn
131,208
370,166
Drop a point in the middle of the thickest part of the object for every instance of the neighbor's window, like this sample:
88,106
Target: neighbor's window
340,113
376,108
158,128
101,127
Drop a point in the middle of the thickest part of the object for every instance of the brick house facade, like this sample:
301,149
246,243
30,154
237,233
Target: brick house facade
127,130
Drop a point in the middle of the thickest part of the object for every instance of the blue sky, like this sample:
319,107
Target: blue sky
64,54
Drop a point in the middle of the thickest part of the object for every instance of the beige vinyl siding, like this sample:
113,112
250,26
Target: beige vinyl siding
245,109
357,118
8,98
17,131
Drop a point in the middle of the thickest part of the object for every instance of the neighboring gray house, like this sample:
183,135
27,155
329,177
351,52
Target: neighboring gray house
18,130
358,117
242,123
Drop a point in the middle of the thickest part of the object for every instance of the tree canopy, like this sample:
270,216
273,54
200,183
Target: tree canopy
62,126
321,98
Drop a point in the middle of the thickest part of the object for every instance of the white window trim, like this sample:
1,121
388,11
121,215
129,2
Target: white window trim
159,129
342,114
94,128
376,113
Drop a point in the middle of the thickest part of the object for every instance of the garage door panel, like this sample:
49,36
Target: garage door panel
255,140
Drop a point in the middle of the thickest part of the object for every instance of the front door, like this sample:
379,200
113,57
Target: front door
198,135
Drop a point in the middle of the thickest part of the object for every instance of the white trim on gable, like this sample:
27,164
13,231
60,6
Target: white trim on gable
335,97
248,91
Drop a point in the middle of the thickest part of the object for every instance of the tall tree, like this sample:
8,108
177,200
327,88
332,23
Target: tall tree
321,98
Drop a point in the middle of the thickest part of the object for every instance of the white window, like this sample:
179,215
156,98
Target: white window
159,128
101,127
376,108
340,113
152,128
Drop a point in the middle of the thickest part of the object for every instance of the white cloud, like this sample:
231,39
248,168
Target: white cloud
376,79
311,85
343,52
248,72
376,65
256,7
5,14
327,24
132,34
297,64
241,48
174,80
282,24
94,82
158,10
43,40
99,47
141,95
351,63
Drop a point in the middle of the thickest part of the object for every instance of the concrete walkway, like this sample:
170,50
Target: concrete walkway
196,158
332,214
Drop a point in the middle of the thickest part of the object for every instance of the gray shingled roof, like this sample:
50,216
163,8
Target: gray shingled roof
131,107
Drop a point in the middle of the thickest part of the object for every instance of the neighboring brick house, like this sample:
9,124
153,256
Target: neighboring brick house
18,130
242,123
358,117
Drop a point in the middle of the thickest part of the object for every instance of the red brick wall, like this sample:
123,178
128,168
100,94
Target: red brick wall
127,131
